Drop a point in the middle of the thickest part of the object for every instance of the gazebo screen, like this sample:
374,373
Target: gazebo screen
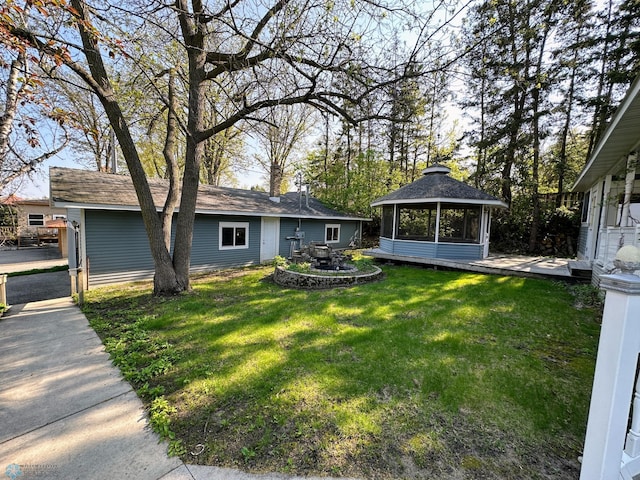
458,223
417,222
387,221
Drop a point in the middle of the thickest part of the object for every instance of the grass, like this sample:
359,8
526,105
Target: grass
58,268
427,374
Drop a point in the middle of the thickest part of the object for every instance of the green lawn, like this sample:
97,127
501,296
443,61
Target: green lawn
426,374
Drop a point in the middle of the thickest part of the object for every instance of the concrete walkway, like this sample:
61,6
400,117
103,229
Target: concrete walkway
66,412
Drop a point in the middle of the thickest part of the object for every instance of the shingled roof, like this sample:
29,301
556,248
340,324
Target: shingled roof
95,190
437,186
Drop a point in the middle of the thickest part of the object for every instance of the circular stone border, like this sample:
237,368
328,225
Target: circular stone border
309,281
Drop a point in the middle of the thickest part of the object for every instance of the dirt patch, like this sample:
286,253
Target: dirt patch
444,448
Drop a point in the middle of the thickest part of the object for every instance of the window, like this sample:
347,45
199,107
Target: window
332,233
59,217
35,220
234,235
584,217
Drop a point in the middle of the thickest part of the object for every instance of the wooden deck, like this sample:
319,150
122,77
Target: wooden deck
509,265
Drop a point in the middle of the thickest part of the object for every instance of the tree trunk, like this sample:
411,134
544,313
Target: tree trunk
193,34
169,153
535,178
165,279
275,179
11,104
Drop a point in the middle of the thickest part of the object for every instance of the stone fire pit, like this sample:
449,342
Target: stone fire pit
344,278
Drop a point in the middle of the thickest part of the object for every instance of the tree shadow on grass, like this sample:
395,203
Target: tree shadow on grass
381,380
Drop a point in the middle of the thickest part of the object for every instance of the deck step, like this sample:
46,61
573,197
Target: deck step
580,268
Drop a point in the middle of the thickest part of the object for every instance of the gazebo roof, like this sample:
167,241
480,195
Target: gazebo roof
437,186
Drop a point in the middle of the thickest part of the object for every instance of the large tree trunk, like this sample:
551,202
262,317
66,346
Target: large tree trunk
165,279
194,40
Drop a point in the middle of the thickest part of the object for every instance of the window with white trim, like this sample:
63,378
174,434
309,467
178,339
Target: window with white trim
332,233
234,235
35,220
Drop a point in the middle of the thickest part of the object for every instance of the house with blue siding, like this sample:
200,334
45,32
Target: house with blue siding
435,216
233,227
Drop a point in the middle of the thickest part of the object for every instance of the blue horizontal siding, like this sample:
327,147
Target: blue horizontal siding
287,229
386,245
206,237
118,248
459,251
314,231
454,251
116,242
414,249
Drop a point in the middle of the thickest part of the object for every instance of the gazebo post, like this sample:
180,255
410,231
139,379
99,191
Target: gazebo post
437,232
395,222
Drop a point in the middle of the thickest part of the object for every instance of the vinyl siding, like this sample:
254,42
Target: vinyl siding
205,252
459,251
454,251
116,242
414,249
118,248
582,240
314,231
287,229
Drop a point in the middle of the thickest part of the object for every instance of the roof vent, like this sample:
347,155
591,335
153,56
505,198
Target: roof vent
436,168
275,199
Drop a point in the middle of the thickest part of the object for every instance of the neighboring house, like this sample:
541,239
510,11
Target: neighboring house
611,185
233,227
435,217
32,220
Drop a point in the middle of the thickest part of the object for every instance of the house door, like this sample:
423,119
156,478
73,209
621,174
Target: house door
270,238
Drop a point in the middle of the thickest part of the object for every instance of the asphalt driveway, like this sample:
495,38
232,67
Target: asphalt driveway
39,286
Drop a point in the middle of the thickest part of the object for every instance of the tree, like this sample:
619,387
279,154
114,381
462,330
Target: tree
615,54
288,53
571,66
281,132
94,131
27,110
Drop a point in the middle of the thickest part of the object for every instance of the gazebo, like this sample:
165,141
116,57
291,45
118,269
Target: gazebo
436,217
